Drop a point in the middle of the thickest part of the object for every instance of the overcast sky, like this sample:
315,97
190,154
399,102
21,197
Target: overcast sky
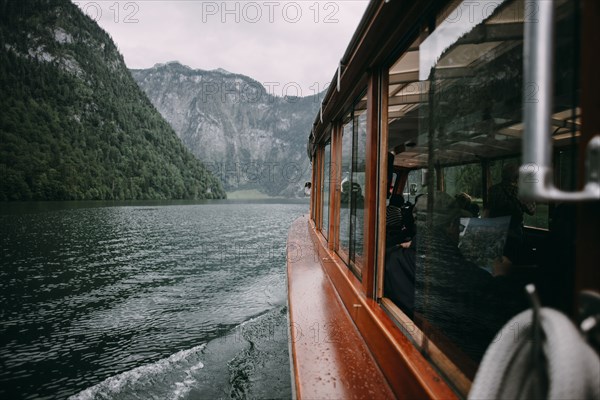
279,42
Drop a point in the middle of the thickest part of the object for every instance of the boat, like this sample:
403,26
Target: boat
410,266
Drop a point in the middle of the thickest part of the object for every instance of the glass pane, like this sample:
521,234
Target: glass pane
462,276
470,271
346,192
475,89
325,189
358,190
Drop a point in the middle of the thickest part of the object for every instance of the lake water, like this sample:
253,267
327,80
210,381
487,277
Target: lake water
144,300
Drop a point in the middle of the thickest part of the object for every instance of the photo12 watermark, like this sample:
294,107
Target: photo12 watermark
239,91
271,12
258,171
126,12
473,11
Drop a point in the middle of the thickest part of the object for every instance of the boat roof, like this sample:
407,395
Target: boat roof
470,142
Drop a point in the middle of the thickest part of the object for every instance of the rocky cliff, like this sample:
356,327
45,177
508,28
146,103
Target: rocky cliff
248,137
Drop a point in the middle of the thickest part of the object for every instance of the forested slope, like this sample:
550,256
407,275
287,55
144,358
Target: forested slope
74,124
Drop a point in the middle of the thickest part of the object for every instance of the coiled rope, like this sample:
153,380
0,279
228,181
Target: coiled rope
568,368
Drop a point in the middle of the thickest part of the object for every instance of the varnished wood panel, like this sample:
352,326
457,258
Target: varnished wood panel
318,188
371,185
384,185
329,357
334,187
408,373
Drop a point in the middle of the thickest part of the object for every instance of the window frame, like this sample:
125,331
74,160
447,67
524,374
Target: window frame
325,196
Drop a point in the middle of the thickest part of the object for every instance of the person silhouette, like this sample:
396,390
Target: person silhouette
504,201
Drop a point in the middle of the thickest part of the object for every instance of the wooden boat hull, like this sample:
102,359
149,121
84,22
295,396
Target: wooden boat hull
339,355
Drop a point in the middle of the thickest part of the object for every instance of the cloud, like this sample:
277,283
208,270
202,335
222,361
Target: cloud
270,41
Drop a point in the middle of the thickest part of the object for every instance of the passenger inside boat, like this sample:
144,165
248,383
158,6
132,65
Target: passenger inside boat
307,189
399,281
465,294
399,278
460,300
504,201
465,202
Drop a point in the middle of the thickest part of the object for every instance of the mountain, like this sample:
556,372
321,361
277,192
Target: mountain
73,122
248,137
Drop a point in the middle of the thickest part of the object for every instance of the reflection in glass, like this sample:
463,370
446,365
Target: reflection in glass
456,281
346,192
474,110
475,89
352,188
358,189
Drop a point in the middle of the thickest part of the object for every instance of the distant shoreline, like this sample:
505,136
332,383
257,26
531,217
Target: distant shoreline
26,207
250,194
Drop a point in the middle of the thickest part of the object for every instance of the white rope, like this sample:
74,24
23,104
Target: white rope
570,368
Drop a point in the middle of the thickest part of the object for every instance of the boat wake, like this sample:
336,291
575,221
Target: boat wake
261,369
169,378
248,361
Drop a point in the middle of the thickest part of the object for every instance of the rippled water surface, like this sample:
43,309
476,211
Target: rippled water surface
144,301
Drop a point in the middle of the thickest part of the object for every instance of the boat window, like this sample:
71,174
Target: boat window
325,183
346,189
474,90
358,188
352,186
455,267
